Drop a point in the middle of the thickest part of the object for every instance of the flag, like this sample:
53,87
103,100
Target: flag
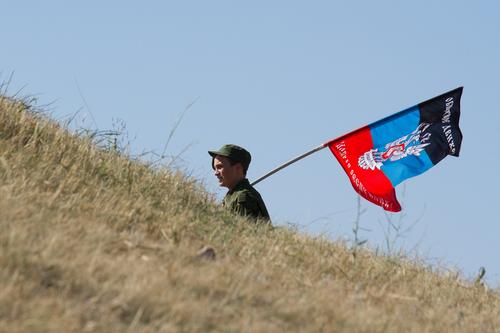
381,155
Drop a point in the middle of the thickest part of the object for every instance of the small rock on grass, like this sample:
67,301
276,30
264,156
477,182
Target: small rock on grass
206,252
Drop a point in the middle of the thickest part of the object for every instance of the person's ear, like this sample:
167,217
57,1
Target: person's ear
240,168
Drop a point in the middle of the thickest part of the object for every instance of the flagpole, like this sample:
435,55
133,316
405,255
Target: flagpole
298,158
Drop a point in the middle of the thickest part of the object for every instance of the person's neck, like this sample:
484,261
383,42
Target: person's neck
236,183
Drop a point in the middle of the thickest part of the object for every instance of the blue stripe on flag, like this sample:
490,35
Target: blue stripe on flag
395,126
407,167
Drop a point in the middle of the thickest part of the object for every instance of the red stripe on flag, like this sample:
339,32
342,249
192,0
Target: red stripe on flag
373,185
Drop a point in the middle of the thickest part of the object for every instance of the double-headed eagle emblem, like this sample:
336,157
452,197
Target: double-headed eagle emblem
411,144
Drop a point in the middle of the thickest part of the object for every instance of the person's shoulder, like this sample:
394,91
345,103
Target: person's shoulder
245,195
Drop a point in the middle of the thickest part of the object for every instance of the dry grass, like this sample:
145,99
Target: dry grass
92,241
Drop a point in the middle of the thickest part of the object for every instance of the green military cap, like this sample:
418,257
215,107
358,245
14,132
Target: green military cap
234,153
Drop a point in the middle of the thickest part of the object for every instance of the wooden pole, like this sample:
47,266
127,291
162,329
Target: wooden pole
272,172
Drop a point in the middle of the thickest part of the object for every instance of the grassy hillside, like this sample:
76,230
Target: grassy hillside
91,241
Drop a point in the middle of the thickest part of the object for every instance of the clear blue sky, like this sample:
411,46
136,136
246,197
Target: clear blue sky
280,78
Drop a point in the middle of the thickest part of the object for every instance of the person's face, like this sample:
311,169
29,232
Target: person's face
227,174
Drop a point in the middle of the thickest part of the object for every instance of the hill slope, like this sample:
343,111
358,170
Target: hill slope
91,241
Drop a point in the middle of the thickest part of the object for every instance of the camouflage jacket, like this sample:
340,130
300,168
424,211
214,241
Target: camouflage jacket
243,199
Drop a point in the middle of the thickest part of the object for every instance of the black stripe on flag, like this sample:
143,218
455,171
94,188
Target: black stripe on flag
442,113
